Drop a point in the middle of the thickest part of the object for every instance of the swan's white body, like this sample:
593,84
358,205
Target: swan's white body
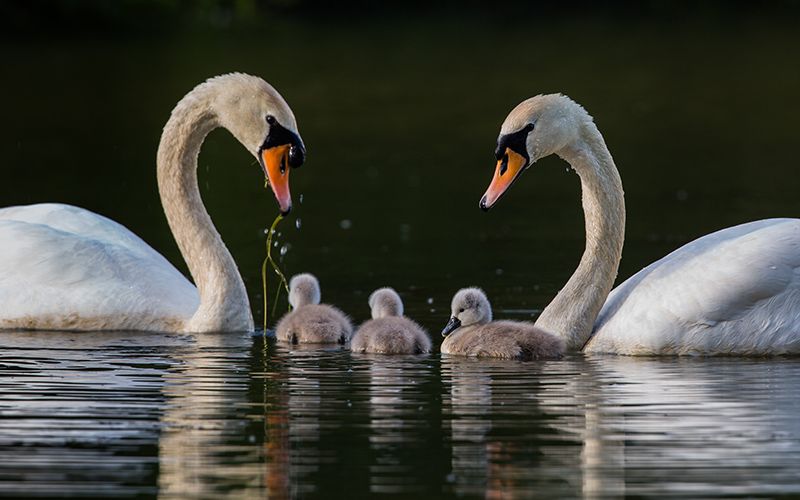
63,267
735,291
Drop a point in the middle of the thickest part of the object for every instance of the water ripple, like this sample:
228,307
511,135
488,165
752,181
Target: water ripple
118,415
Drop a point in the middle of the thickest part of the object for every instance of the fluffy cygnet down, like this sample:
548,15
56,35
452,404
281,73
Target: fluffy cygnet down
389,332
471,332
310,322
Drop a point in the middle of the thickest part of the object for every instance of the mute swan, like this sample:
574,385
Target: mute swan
310,322
66,268
735,291
471,332
389,332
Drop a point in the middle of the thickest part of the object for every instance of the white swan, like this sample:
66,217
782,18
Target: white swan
736,291
66,268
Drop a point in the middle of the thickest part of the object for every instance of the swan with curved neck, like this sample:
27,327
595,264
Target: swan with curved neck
736,291
65,268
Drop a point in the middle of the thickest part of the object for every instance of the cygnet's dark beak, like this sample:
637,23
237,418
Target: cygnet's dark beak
451,325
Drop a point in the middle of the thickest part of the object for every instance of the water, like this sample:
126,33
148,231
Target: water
113,414
400,118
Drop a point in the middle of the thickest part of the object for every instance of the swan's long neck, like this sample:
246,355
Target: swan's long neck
573,311
224,305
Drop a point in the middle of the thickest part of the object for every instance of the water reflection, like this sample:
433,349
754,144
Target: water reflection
79,413
399,414
116,415
682,426
207,446
502,444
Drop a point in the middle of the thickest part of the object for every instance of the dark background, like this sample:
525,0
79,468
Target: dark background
399,104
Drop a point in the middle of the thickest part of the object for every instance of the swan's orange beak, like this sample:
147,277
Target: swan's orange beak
275,161
508,169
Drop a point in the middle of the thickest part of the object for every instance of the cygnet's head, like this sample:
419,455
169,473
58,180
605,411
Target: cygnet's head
537,127
258,116
470,306
303,290
385,302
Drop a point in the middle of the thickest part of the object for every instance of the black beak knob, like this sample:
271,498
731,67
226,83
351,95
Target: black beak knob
297,155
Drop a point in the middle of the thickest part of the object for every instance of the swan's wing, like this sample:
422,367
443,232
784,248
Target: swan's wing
64,267
736,291
81,222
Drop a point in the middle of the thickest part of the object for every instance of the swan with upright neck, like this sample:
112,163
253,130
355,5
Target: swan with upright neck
732,292
66,268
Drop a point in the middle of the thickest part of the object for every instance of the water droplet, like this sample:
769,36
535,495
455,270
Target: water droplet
285,248
275,244
430,300
298,223
433,310
498,271
301,198
345,223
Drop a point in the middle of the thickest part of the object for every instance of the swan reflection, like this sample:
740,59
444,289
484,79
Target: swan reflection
207,443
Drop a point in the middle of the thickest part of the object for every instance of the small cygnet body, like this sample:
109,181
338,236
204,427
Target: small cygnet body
389,332
310,322
471,332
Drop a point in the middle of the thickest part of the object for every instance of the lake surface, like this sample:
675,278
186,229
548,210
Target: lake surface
111,414
400,119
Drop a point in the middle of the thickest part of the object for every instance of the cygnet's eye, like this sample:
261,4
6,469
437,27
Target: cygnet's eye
270,119
529,127
461,310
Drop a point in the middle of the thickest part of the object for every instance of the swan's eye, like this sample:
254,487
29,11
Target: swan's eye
461,310
270,119
529,127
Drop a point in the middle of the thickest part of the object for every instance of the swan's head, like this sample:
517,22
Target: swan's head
256,114
537,127
303,290
470,306
385,302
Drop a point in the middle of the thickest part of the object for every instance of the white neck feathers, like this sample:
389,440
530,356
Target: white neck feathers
573,311
224,305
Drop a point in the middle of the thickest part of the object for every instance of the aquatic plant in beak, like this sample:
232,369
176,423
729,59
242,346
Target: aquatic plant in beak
282,278
281,150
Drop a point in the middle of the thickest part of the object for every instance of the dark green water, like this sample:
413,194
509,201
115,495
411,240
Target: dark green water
400,119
